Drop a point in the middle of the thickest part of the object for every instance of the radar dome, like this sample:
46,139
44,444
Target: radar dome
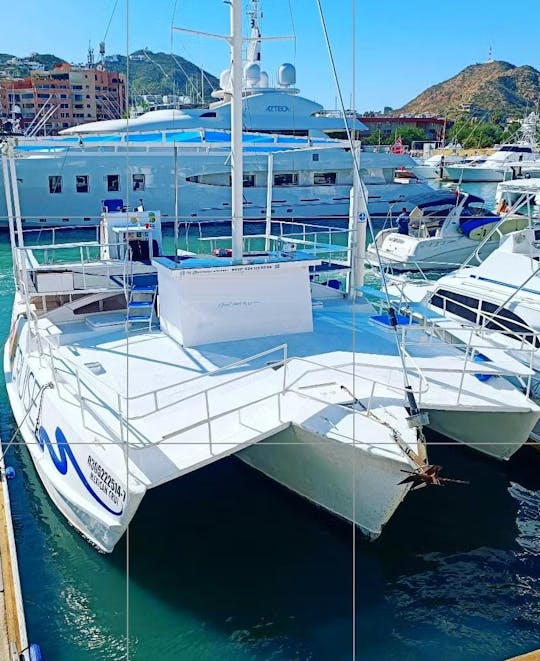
252,74
263,82
286,75
225,79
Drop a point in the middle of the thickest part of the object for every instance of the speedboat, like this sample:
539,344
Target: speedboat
510,191
442,234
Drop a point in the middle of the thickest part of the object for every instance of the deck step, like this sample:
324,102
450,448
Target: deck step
144,288
141,304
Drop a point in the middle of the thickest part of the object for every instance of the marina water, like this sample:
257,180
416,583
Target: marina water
225,564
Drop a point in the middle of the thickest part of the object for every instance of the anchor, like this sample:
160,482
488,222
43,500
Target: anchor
428,474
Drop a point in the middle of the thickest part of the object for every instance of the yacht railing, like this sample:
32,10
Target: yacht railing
484,334
472,338
81,259
118,404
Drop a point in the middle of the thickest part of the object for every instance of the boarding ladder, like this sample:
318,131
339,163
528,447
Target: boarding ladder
141,304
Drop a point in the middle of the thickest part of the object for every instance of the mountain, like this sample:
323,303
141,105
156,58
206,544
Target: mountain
494,87
163,73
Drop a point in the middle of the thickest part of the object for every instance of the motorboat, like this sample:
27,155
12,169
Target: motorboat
433,166
442,234
508,192
523,151
497,300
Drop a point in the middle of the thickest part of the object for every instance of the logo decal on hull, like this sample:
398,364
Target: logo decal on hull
104,482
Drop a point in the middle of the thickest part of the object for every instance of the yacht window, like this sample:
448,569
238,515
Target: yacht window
463,306
324,178
516,149
138,182
113,183
81,183
55,183
315,157
249,180
286,179
509,323
208,114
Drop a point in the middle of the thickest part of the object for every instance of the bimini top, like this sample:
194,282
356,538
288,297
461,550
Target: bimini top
216,138
448,198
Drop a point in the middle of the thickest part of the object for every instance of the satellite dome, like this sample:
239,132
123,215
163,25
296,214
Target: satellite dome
286,75
225,79
263,82
252,74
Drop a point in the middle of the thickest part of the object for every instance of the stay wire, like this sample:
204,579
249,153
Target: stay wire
126,450
356,166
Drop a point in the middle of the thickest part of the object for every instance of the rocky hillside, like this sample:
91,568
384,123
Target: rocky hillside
493,88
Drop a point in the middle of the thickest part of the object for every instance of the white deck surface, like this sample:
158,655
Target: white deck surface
245,404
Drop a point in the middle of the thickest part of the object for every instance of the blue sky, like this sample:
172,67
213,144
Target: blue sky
401,47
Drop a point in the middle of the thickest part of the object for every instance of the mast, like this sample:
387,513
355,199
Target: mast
237,160
254,46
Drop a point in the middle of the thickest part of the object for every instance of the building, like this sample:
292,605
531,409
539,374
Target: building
434,127
64,97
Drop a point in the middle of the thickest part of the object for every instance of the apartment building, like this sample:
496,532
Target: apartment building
64,97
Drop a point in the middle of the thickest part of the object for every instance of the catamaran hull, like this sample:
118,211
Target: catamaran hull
347,480
498,435
75,467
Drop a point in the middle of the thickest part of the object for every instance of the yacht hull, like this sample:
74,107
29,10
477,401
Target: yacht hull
471,174
446,254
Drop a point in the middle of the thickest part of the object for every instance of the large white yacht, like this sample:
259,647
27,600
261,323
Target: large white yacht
178,160
186,174
265,107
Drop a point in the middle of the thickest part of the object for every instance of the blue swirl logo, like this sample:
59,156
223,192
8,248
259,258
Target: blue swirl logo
64,457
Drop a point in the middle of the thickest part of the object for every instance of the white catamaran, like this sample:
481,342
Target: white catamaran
127,367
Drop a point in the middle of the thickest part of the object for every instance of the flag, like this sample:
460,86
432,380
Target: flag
397,147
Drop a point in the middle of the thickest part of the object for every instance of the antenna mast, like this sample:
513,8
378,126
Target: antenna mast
237,160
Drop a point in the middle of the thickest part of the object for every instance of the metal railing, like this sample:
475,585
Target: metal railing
118,404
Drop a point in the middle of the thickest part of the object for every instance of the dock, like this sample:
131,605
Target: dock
13,638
